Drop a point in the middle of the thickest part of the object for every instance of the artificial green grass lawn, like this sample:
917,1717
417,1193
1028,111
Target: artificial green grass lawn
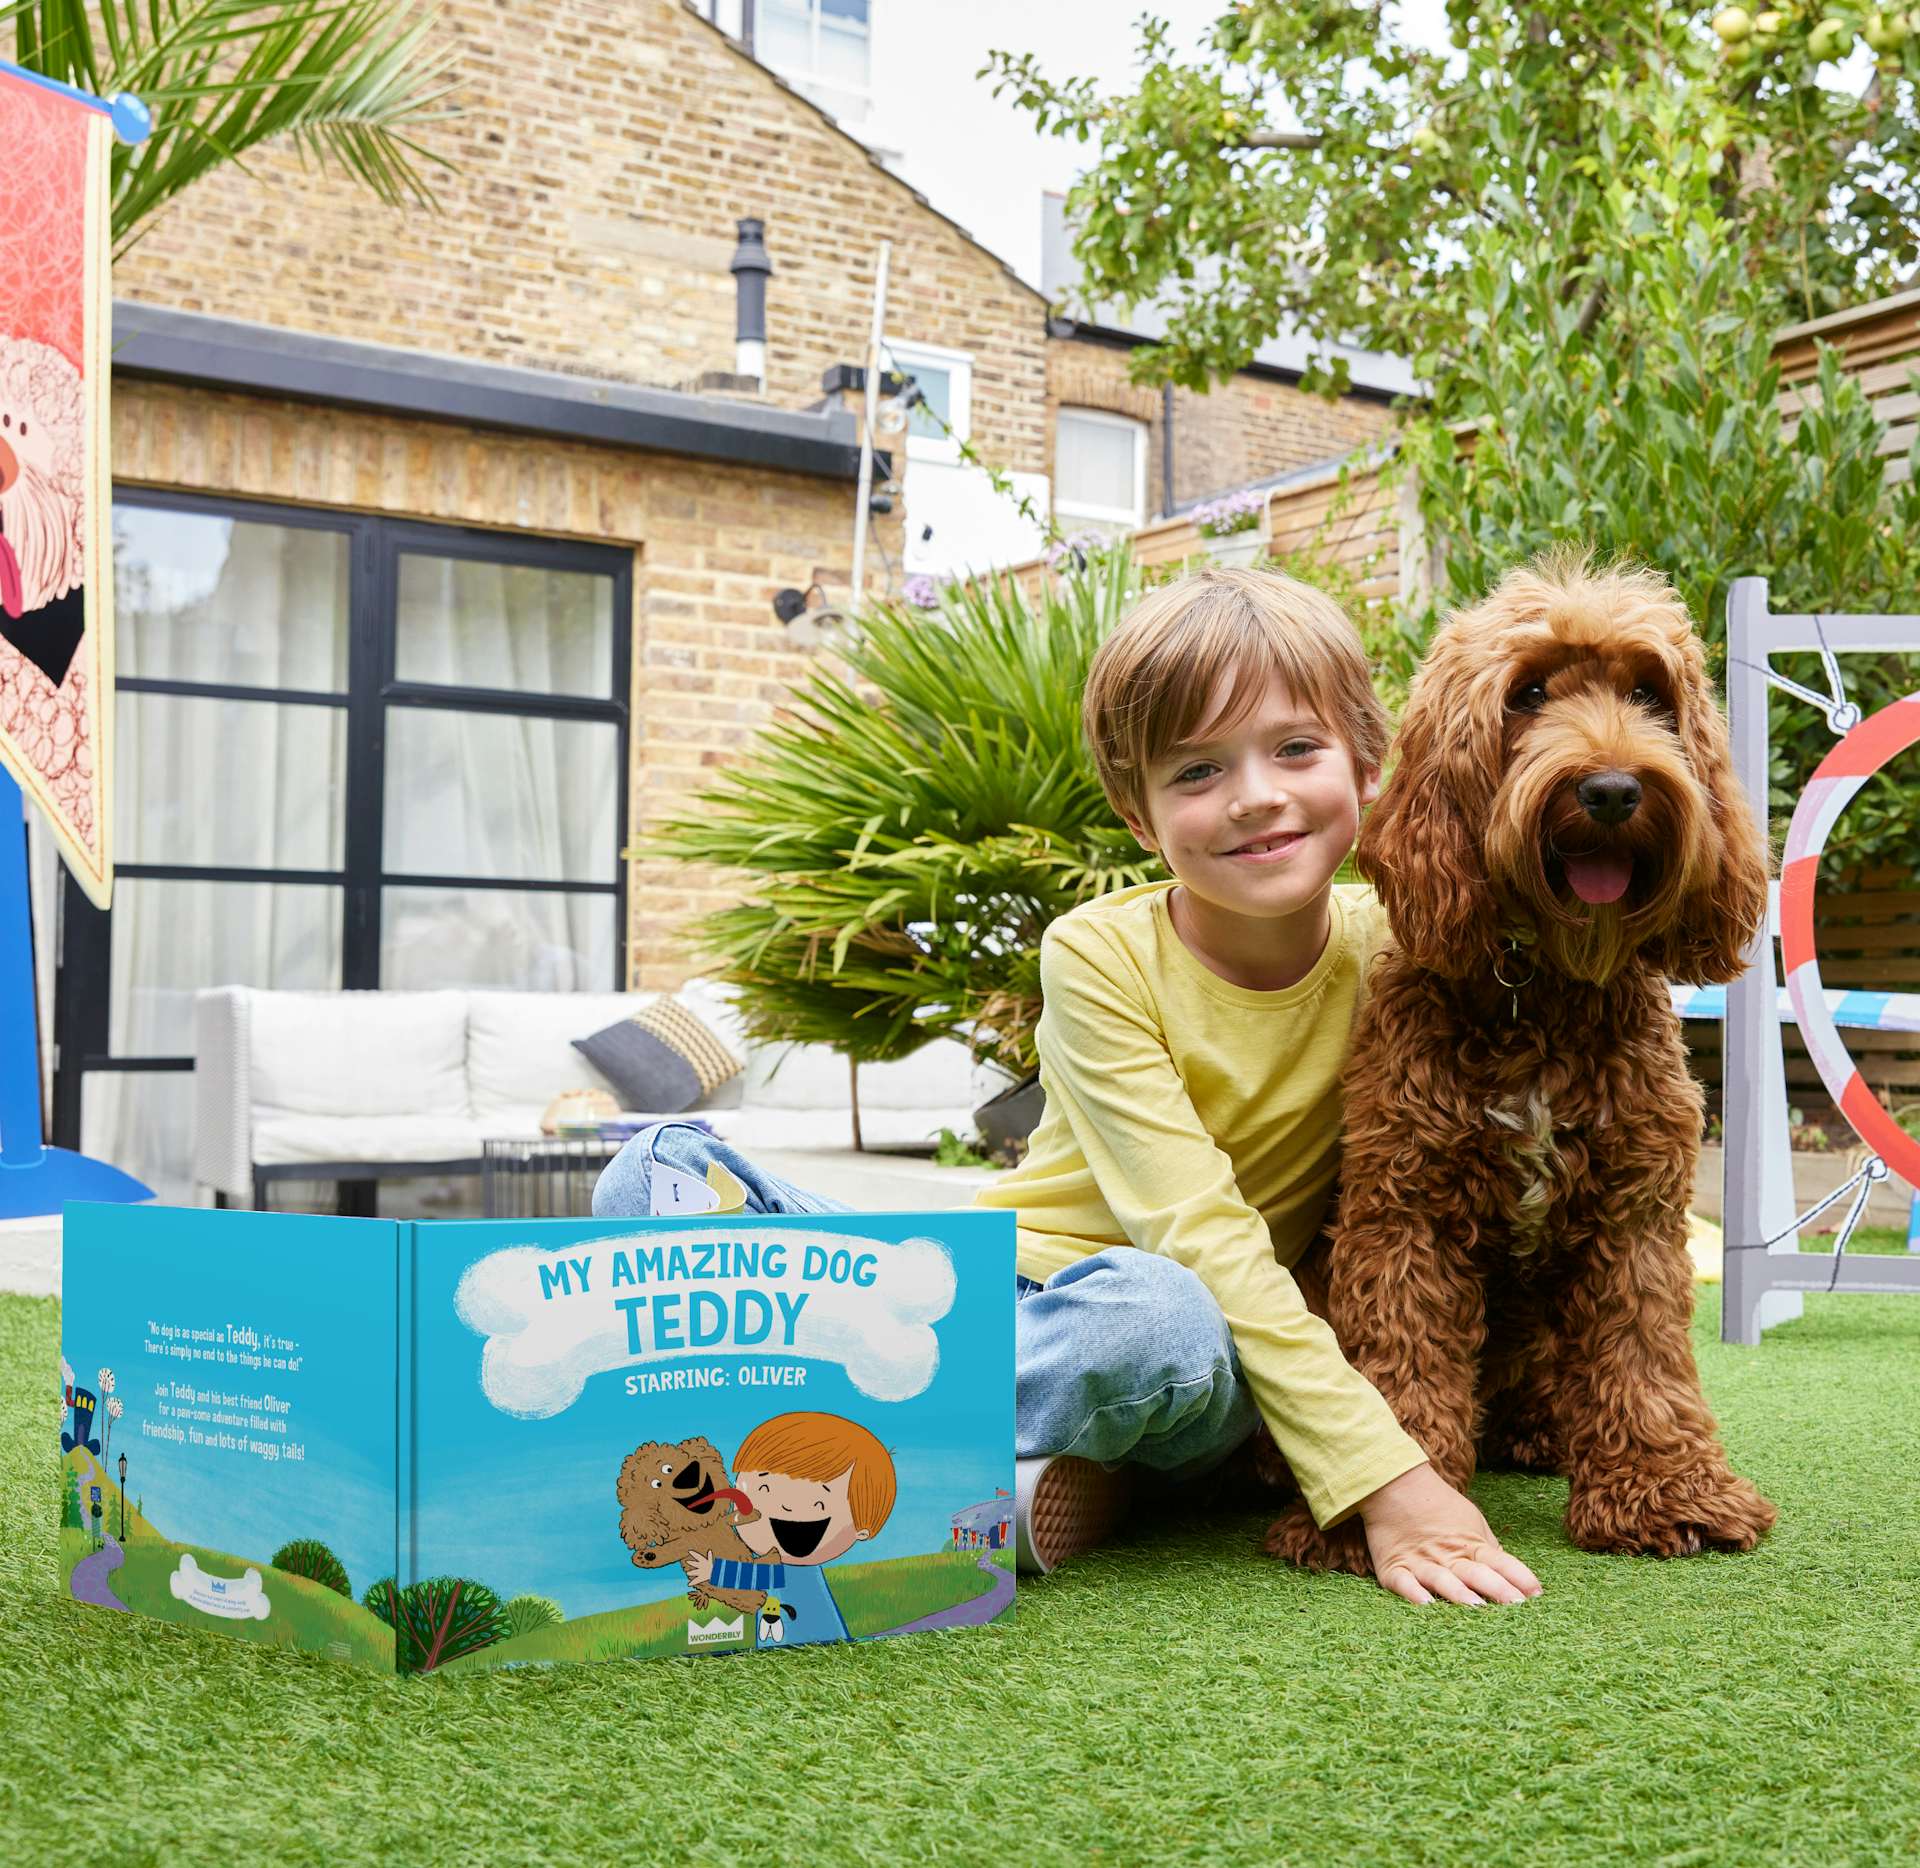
1173,1697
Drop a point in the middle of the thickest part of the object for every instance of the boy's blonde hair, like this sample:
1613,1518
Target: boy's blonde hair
1154,678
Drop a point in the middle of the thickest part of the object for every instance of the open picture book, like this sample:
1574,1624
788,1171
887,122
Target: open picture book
430,1445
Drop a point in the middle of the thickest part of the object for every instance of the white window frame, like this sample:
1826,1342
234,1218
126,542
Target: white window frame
812,74
958,365
1105,515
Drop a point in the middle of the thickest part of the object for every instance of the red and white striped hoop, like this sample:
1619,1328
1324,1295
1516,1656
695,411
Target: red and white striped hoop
1878,738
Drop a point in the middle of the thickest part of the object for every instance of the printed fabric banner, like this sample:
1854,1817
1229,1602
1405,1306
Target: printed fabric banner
56,577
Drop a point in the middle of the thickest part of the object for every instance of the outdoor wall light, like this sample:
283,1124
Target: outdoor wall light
890,416
807,625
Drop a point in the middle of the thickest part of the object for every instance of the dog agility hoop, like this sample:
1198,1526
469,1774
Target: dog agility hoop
1831,789
1765,1273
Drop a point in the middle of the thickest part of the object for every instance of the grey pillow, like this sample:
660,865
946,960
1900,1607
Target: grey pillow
662,1060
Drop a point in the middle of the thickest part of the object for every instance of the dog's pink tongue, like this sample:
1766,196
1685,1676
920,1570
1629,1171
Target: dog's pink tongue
1599,878
9,579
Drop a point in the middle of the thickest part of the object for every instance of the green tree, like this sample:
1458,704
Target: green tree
69,1501
1584,230
309,1557
1314,169
442,1618
347,83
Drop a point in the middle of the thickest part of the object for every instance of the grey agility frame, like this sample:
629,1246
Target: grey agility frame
1764,1286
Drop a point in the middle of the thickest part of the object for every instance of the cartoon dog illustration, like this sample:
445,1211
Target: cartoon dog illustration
675,1497
772,1626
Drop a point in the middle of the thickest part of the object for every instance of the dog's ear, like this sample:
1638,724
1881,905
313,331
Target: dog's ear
1415,846
632,1480
1724,901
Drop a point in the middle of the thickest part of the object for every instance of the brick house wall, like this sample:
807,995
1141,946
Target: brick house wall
1249,428
603,156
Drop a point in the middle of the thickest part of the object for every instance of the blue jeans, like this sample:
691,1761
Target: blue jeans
1123,1355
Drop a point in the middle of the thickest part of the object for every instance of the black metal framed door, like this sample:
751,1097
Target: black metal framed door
350,610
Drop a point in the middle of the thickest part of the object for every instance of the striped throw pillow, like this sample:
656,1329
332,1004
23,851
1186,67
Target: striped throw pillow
662,1060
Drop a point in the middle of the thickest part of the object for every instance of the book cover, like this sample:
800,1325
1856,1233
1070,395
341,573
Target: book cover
466,1445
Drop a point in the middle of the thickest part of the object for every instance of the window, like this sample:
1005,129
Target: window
351,752
945,380
823,46
1099,471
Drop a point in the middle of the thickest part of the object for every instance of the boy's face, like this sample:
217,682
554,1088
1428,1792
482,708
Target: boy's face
801,1520
1255,818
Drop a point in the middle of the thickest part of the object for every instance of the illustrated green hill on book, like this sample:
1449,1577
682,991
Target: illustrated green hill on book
425,1446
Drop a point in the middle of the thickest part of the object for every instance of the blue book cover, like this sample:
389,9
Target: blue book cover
425,1446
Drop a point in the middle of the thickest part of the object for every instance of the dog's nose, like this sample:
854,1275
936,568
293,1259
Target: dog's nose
1609,797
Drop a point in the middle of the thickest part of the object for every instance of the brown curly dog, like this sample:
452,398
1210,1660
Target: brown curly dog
1508,1264
676,1497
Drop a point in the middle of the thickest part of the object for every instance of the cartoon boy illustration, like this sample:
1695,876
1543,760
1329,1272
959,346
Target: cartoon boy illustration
820,1485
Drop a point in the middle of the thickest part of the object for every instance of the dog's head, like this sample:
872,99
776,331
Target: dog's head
1563,770
673,1496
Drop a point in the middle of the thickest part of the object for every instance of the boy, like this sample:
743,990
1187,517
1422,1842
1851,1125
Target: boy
820,1485
1190,1044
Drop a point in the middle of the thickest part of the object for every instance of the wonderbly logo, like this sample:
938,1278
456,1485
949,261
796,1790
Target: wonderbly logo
552,1319
708,1634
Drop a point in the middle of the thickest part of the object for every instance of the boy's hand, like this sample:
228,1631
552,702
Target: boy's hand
698,1565
1427,1540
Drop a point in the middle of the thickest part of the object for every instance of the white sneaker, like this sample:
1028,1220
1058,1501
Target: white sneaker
1063,1505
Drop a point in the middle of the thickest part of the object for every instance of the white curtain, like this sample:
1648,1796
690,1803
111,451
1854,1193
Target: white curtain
500,795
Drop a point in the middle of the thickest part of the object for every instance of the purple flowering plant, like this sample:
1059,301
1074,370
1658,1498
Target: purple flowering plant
1237,512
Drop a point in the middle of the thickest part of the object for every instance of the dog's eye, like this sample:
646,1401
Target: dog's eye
655,1484
1528,699
1650,696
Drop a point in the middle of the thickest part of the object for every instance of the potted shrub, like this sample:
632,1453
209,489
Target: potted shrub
1231,527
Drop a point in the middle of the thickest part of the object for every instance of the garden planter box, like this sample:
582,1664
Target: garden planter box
1237,548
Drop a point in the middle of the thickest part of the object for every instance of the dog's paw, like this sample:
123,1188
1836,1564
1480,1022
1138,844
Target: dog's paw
1532,1450
1676,1515
1296,1539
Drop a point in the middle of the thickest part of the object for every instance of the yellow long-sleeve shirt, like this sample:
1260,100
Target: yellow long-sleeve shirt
1199,1119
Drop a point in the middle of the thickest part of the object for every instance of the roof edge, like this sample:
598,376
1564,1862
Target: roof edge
261,359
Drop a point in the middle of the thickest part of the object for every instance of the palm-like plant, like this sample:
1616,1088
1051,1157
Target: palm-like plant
342,81
909,833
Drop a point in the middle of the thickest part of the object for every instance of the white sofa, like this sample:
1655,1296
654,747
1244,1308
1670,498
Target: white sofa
365,1085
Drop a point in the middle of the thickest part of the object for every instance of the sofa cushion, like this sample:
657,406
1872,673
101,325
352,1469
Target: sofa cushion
280,1138
662,1058
520,1048
713,1004
360,1054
